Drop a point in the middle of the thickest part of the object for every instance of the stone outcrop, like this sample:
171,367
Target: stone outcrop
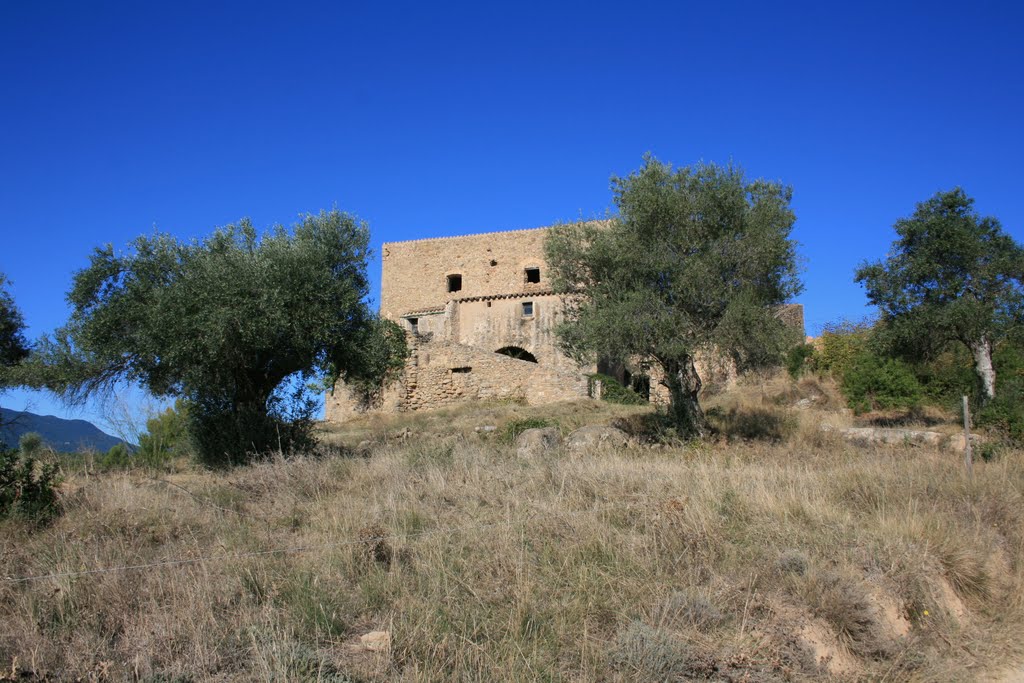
595,437
534,442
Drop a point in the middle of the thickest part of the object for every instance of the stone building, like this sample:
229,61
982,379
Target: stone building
479,315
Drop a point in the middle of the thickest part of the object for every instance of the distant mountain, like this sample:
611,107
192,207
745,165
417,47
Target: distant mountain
58,433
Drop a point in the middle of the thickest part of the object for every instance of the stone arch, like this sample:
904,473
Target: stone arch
517,353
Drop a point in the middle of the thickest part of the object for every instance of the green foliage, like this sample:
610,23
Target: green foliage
166,436
237,324
117,458
873,382
516,427
613,392
374,361
841,344
27,487
799,360
13,345
31,443
698,259
952,275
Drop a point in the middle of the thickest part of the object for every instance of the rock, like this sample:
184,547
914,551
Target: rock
593,437
533,442
871,436
957,442
376,641
484,428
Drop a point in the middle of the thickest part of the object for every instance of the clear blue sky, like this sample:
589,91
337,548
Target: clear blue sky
440,119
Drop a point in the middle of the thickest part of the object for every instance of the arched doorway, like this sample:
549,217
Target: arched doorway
517,353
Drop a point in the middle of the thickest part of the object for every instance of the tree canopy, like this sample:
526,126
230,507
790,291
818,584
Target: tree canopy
698,260
13,345
951,276
236,324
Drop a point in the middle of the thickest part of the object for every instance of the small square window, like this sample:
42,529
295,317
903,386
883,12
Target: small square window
454,283
527,309
533,275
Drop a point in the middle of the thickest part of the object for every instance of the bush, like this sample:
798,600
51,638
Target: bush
800,359
613,392
27,487
841,344
871,382
166,436
117,458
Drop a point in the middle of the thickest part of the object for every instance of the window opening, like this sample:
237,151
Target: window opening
454,283
517,353
533,275
527,309
414,325
462,369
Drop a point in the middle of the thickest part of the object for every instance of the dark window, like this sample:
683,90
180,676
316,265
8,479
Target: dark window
414,325
465,369
517,353
527,309
533,275
454,283
493,263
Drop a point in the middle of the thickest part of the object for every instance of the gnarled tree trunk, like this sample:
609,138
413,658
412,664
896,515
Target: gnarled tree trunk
683,385
982,352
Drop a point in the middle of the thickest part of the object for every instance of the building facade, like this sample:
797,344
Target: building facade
479,316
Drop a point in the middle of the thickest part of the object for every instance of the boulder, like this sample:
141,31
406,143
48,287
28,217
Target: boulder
376,641
532,442
594,437
870,436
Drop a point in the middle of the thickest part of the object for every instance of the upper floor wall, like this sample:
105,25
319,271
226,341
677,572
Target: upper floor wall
422,275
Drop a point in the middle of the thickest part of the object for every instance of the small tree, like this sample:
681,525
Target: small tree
237,324
951,276
697,260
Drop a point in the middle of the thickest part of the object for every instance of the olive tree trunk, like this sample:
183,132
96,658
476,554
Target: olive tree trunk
982,352
683,385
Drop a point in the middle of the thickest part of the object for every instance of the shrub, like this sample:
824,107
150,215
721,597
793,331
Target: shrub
841,344
613,392
800,359
27,487
166,436
871,382
117,458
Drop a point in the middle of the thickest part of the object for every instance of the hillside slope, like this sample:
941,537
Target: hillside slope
787,555
58,433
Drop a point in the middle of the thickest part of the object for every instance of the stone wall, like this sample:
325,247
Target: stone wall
444,374
414,275
454,335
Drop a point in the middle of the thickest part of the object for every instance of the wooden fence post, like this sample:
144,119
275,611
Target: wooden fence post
968,455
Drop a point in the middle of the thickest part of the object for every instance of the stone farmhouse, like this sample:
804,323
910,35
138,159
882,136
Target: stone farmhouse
479,315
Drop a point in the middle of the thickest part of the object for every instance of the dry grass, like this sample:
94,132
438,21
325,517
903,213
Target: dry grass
741,559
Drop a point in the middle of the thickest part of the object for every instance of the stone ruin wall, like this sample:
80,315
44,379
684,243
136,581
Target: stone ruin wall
463,329
459,330
414,276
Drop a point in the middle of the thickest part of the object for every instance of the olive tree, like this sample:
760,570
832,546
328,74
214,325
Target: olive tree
951,276
13,345
237,324
697,260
